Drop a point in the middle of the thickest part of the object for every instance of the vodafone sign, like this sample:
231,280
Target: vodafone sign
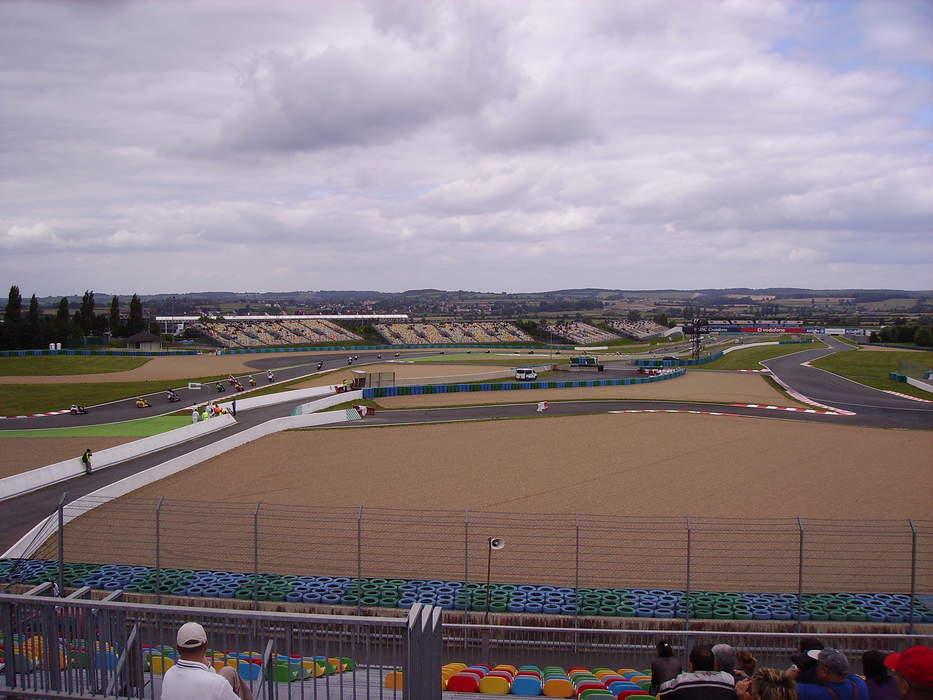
772,329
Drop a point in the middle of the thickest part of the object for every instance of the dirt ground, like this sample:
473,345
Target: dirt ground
425,371
419,485
179,367
18,455
694,386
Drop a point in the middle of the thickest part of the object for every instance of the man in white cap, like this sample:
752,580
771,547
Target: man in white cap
193,675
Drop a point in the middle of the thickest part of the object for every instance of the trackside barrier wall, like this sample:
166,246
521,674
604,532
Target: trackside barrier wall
327,402
280,397
104,353
18,484
679,362
388,391
32,539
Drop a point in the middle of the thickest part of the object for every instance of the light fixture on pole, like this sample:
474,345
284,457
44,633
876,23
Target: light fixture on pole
492,543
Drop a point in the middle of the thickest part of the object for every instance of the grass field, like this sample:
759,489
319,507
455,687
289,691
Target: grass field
46,365
133,428
872,368
750,357
18,399
501,359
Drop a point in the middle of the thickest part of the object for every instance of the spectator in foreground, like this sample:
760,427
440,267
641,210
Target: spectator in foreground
665,667
803,663
835,681
747,663
770,684
913,669
725,658
193,675
702,682
881,686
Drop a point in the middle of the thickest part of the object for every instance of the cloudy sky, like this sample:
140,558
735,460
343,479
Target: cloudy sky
160,146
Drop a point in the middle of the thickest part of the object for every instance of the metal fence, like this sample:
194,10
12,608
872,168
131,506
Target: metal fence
781,555
81,648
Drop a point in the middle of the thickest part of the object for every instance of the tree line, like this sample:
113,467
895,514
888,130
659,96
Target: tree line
35,329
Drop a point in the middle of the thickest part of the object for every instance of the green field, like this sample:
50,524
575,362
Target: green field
49,365
133,428
18,399
751,357
872,368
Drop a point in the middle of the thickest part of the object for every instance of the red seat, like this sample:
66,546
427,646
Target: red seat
463,682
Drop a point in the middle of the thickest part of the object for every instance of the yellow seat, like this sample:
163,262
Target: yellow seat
623,671
558,688
494,685
313,667
506,667
394,680
605,672
457,666
161,664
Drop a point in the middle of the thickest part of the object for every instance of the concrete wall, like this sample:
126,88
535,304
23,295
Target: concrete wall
920,384
48,527
18,484
281,397
327,402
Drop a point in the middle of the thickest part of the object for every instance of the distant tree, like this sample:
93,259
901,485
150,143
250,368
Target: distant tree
116,326
135,323
33,316
923,336
14,306
85,315
661,319
64,311
634,315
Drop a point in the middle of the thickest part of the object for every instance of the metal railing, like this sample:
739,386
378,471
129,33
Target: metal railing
75,648
777,555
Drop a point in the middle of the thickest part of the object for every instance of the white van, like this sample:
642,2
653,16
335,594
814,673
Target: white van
525,374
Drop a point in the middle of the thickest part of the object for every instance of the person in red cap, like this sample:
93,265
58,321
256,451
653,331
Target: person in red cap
913,670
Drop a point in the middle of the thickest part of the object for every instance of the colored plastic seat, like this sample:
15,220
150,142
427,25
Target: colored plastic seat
629,693
394,680
494,685
558,688
463,682
526,685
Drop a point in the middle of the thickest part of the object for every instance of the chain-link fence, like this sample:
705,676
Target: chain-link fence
782,555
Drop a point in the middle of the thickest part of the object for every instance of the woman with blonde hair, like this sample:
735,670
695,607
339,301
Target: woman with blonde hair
768,684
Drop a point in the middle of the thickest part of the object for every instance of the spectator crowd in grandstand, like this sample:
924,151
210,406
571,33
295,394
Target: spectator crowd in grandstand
453,333
639,330
252,333
577,332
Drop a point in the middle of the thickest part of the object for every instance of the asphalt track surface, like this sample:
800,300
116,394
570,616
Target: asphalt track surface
872,408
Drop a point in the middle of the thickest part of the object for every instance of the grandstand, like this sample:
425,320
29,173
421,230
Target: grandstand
577,332
270,331
454,333
639,330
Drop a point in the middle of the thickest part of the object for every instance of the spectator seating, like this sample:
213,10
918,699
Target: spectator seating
639,330
452,333
271,332
577,332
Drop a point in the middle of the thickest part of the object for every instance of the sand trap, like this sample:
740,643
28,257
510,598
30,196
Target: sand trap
694,386
18,455
505,472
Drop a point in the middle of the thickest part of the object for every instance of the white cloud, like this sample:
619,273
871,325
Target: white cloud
398,145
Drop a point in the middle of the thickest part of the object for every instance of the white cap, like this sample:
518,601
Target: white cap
191,635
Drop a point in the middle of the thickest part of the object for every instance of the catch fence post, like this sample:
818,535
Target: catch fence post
61,544
158,550
576,578
689,523
799,572
256,554
466,571
913,574
359,558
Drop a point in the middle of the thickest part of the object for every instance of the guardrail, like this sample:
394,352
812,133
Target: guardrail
388,391
20,484
105,353
75,648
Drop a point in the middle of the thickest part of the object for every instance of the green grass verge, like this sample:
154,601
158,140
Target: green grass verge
134,428
751,357
18,399
872,368
56,365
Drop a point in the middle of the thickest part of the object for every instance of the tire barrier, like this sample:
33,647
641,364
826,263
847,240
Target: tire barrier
476,597
679,362
389,391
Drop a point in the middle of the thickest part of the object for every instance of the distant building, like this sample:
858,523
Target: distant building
144,341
